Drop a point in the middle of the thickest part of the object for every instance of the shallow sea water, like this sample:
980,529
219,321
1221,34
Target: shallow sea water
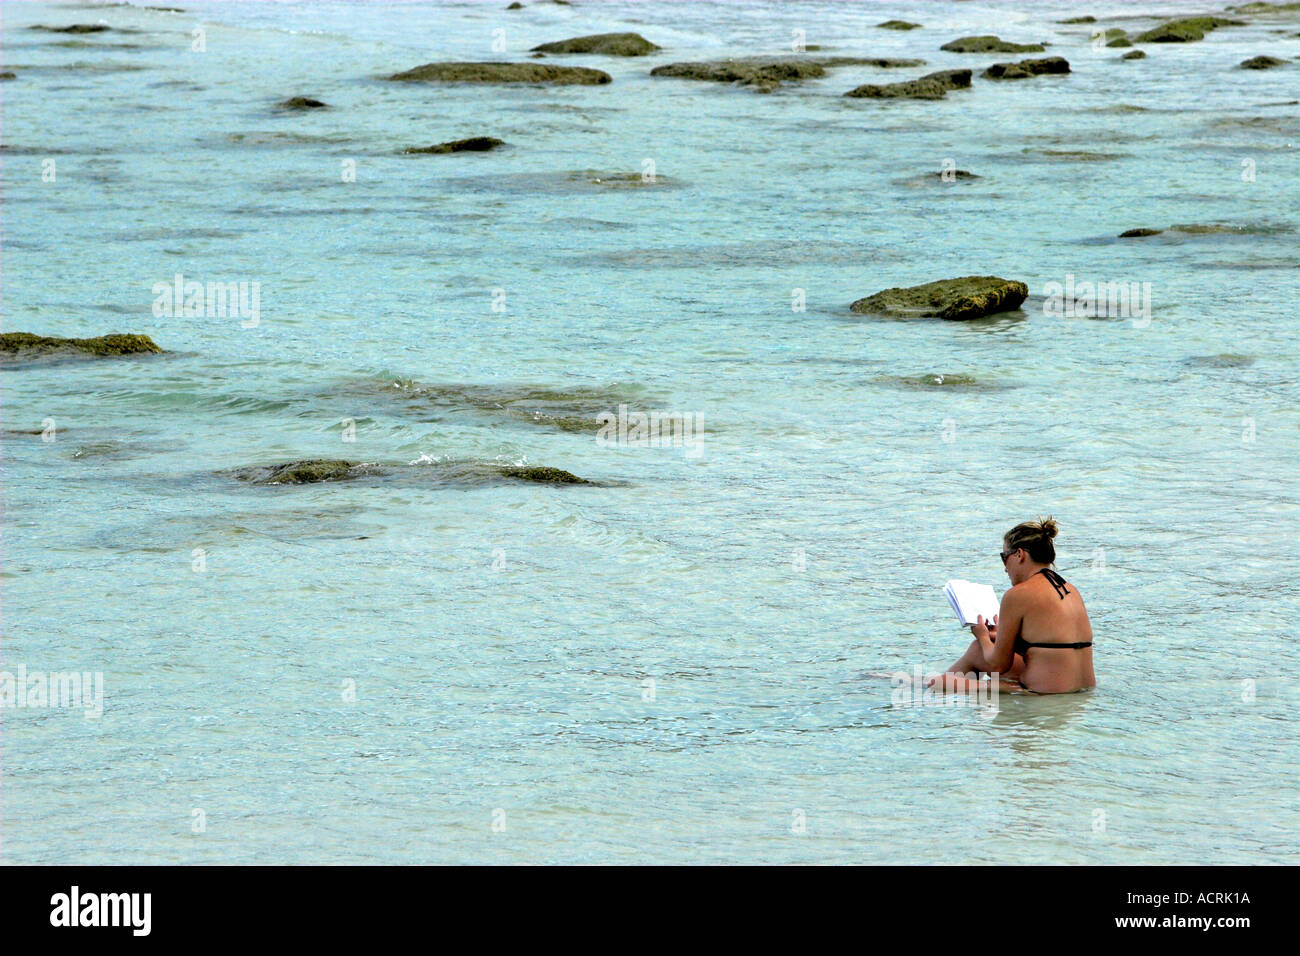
501,638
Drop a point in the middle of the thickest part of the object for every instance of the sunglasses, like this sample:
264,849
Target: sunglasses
1006,554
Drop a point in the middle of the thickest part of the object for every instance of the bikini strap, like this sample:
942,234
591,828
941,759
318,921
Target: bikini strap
1057,582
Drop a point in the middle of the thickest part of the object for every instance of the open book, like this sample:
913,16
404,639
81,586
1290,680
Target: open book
970,600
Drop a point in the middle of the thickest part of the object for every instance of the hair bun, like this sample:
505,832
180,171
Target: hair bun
1048,526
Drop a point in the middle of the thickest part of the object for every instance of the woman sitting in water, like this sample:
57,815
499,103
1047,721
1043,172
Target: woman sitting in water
1040,640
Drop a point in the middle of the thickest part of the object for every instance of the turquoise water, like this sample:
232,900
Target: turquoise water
500,637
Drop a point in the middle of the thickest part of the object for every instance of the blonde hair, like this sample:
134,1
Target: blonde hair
1036,538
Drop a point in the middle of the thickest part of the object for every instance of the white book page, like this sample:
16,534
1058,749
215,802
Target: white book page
972,600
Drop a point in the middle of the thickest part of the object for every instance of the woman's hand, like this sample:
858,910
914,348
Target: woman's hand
982,628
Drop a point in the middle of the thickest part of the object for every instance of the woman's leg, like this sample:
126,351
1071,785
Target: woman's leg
972,660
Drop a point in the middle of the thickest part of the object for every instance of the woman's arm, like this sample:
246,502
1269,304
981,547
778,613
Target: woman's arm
999,655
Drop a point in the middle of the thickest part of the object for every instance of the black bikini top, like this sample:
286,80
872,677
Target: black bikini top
1058,583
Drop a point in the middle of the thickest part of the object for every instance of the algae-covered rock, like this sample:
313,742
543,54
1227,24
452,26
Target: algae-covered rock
475,144
1265,8
26,345
540,474
8,75
1119,42
1084,19
1186,30
898,25
968,297
302,103
1134,55
515,6
932,86
503,73
424,471
1026,68
767,73
988,43
1261,63
948,176
75,28
304,472
606,44
1139,233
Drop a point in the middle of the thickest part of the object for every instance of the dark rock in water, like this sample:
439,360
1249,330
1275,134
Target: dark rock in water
932,86
515,6
8,75
969,297
607,44
314,470
989,44
503,73
1087,19
1186,30
1261,63
475,144
75,28
1026,68
767,73
1265,7
898,25
25,345
945,177
304,472
1119,42
301,103
1134,55
763,73
540,473
1138,233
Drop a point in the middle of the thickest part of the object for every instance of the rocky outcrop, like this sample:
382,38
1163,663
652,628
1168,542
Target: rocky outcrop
898,25
22,346
541,474
932,86
767,73
1085,19
1261,63
475,144
969,297
605,44
1134,55
988,43
314,470
503,73
1186,30
75,28
1139,233
304,472
302,103
1026,68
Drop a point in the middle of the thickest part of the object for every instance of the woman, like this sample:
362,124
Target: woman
1040,640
